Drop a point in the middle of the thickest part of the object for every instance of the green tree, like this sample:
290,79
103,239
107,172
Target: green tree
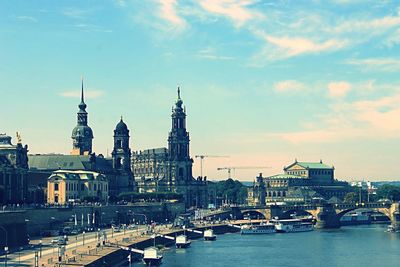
388,191
231,190
351,197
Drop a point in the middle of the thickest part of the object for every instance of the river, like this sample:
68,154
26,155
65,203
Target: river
349,246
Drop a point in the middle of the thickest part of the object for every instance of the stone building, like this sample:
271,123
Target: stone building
170,170
13,171
301,182
65,187
256,193
117,168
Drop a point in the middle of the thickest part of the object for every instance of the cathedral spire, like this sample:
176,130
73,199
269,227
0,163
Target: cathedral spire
179,101
82,105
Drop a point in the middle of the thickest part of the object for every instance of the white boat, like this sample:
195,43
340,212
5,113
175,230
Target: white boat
292,225
209,235
182,241
152,257
264,228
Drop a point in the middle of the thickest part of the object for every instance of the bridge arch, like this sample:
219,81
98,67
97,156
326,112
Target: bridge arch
298,212
255,214
384,211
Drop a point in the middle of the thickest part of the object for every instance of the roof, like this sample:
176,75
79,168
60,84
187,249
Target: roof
285,176
160,150
51,162
77,175
311,165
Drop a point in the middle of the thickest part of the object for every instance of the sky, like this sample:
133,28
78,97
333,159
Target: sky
263,82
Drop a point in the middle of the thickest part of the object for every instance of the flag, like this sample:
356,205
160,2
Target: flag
88,218
76,222
82,220
93,217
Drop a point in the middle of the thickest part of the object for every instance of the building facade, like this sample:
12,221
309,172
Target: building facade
170,170
13,171
301,182
74,186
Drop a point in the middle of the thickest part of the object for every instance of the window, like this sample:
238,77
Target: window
56,189
82,187
94,187
119,143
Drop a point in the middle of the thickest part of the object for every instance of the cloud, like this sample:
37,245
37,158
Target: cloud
338,89
393,39
361,119
209,53
75,13
279,48
26,18
296,46
379,24
235,10
120,3
88,94
377,64
289,85
168,11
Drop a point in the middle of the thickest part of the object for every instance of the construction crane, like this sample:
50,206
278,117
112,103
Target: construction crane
229,169
202,157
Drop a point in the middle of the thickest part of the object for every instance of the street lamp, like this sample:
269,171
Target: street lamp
83,238
40,248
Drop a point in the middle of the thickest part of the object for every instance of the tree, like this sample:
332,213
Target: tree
351,197
388,191
232,191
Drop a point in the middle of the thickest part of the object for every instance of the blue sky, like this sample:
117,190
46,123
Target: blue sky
264,82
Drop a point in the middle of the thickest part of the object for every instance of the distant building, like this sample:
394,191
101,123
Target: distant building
150,165
116,169
13,171
256,193
170,170
65,187
301,182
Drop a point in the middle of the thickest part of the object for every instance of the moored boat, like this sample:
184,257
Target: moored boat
152,257
209,235
264,228
292,225
182,241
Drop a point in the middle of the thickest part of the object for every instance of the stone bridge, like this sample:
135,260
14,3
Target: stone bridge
326,215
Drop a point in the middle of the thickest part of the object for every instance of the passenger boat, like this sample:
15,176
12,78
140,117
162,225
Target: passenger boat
209,235
264,228
292,225
182,241
152,257
392,229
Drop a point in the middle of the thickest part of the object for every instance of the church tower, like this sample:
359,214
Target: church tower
82,134
121,154
178,145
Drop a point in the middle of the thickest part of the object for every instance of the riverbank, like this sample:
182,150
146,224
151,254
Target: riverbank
112,253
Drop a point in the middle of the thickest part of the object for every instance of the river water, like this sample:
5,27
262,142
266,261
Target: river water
349,246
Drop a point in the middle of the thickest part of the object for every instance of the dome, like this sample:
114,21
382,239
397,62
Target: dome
121,127
82,131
